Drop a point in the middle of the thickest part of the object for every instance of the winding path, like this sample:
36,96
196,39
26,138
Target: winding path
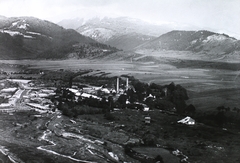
44,137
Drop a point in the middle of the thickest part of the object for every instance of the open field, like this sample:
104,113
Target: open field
186,55
208,87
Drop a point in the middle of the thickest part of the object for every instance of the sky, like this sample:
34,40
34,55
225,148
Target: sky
221,16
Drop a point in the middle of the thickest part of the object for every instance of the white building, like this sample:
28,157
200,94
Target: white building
187,121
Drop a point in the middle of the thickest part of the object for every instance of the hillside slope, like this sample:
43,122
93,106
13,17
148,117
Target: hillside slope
29,37
196,41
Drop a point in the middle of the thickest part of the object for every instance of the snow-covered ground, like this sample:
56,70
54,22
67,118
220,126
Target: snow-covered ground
12,33
21,24
34,33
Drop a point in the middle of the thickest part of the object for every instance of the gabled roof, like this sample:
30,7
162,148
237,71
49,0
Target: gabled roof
187,120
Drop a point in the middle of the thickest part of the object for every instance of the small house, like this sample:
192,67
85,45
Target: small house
187,121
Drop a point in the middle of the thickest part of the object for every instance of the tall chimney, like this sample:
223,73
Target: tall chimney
127,84
165,90
117,85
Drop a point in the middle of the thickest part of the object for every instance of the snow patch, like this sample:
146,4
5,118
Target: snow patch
215,37
15,23
26,36
23,26
34,33
11,33
100,34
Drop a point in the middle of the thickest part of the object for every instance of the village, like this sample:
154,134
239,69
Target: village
21,95
44,90
18,94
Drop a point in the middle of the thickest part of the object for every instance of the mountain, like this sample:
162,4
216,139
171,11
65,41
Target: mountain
128,41
3,17
196,41
125,25
122,32
29,37
71,23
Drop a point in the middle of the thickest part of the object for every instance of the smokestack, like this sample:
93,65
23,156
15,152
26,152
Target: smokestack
165,90
117,85
127,84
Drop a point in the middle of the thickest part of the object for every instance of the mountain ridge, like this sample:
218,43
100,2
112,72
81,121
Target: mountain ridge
110,30
196,41
30,37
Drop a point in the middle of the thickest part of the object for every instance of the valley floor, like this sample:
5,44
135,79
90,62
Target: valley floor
207,85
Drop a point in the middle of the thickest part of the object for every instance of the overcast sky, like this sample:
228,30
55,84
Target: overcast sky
218,15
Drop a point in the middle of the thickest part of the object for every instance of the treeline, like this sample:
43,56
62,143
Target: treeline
167,97
104,46
93,49
76,50
222,116
72,106
57,52
100,79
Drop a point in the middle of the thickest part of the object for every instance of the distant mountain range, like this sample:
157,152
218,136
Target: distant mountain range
196,41
29,37
134,34
123,32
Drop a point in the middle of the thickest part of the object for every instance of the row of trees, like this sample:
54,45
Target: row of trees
162,97
221,116
93,49
69,106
